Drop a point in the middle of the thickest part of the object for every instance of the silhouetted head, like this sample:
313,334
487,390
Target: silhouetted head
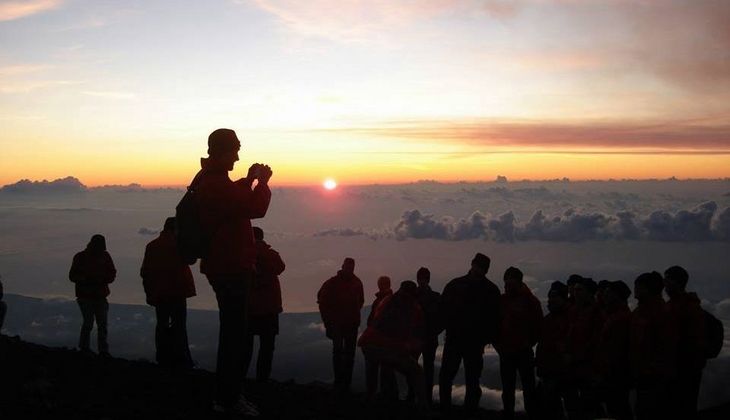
675,280
223,146
557,297
408,288
348,266
383,283
600,291
573,279
585,291
423,276
97,243
616,294
480,264
648,285
258,233
512,280
169,225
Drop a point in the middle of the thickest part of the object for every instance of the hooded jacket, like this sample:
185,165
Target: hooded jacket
340,299
521,320
611,362
91,271
430,302
651,347
471,310
552,348
379,297
394,326
165,276
266,291
586,323
226,210
688,324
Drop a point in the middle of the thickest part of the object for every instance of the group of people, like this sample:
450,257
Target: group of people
579,361
588,352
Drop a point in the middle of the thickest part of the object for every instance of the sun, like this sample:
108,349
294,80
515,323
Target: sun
329,184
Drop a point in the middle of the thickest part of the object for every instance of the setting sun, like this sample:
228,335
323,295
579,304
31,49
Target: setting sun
330,184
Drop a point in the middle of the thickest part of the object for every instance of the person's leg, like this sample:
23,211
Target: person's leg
338,344
473,364
87,313
348,358
162,339
526,367
617,402
429,356
232,334
684,391
101,311
265,357
179,334
508,373
450,361
3,311
248,343
371,375
388,383
551,405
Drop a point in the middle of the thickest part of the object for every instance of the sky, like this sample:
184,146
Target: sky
366,92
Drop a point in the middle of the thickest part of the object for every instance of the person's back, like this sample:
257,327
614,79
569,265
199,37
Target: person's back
3,306
384,291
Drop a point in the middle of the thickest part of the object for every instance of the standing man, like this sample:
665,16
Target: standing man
91,271
688,323
226,209
471,316
265,307
168,282
340,299
521,320
430,302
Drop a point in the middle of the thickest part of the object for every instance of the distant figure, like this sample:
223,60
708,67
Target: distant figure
471,317
651,348
431,305
92,270
551,359
168,282
388,384
226,209
585,327
340,299
601,288
573,279
3,306
521,320
612,373
265,307
687,322
392,340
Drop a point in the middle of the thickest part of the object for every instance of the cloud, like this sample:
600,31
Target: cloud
110,94
61,185
651,136
698,224
11,10
148,231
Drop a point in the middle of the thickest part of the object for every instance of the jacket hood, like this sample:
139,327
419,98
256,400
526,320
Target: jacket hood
383,293
212,165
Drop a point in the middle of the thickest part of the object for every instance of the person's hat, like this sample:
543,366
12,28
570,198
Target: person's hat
223,140
482,261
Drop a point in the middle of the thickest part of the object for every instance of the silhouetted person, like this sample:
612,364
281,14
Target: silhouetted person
520,323
612,373
650,348
168,282
265,307
586,323
430,302
92,270
687,322
226,209
601,288
551,359
392,340
340,299
470,308
388,384
3,307
573,279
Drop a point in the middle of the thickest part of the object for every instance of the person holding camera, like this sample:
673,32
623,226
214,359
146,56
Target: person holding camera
226,208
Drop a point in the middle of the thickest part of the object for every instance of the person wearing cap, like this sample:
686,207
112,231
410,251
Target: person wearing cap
551,358
519,331
651,348
430,302
611,361
265,307
688,323
340,300
586,321
91,272
168,283
226,208
470,314
388,383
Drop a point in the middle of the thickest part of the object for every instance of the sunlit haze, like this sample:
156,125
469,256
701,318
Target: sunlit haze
377,92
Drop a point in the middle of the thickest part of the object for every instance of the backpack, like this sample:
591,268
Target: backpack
714,335
192,241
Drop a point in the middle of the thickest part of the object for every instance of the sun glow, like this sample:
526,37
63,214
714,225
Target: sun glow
329,184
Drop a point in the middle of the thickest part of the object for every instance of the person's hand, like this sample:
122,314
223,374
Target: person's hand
254,171
265,173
